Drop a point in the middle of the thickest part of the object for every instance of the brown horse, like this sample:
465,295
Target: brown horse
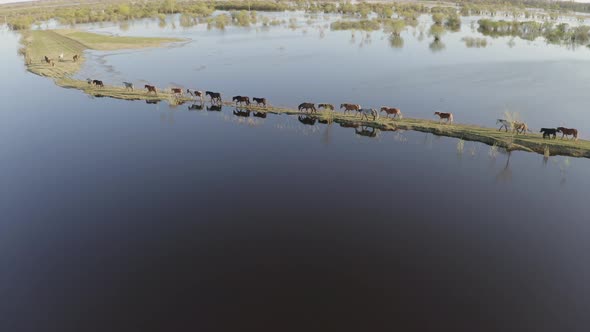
350,107
521,127
49,61
176,91
259,101
568,132
326,106
307,107
445,116
75,57
392,110
151,88
98,83
196,94
241,100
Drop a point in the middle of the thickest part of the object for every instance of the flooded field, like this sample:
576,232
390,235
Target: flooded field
175,217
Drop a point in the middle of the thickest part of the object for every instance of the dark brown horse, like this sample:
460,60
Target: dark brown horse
392,110
215,96
49,61
75,57
151,88
307,106
241,100
259,101
568,132
98,83
548,132
326,106
444,116
350,107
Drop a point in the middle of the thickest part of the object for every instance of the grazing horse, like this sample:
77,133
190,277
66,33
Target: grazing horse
151,88
392,110
365,112
547,132
260,115
326,106
307,120
505,124
75,57
241,100
307,107
446,116
128,86
521,127
98,83
242,113
259,101
568,132
195,93
350,107
215,96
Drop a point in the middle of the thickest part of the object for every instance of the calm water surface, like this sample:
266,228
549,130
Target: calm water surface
124,216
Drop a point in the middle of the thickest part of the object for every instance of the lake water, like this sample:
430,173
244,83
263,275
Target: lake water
125,216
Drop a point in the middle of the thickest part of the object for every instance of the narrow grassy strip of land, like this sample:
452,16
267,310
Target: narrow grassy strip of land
40,43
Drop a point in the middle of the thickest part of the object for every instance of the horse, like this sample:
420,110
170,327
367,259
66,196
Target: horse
128,86
259,101
505,124
241,100
307,120
365,112
151,88
176,91
215,96
242,113
307,107
195,94
547,132
326,106
392,110
98,83
47,59
446,116
61,57
567,132
260,115
521,128
75,57
350,107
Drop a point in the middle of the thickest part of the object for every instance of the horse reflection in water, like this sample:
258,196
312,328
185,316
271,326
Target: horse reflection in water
152,101
242,113
366,131
214,108
307,120
349,125
260,115
195,107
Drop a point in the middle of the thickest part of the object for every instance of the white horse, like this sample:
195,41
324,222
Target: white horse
505,124
128,86
196,94
365,112
61,57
